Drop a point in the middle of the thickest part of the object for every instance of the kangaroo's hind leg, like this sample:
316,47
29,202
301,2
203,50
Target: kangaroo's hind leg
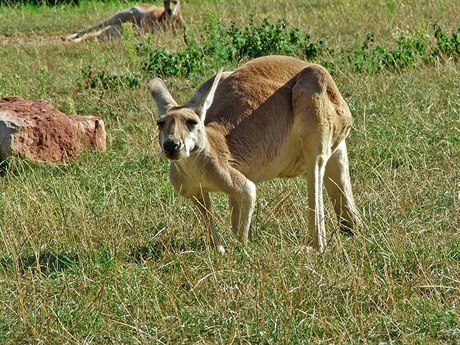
338,187
312,111
131,15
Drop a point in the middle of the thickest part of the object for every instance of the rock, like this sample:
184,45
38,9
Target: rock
37,131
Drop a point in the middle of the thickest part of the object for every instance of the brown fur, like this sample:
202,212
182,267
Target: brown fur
145,18
273,117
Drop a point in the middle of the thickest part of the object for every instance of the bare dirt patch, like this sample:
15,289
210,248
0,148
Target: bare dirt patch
31,39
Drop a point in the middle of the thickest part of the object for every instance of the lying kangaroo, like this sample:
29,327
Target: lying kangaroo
275,116
145,18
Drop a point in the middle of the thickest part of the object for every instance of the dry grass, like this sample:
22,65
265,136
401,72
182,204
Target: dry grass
101,251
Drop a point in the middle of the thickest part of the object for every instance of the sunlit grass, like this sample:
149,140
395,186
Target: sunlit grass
100,250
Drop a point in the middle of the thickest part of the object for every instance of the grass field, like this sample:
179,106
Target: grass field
101,251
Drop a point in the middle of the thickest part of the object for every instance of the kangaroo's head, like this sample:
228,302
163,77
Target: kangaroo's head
172,7
181,128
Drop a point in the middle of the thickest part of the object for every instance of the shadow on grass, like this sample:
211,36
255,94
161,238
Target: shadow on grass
158,249
45,263
38,2
4,165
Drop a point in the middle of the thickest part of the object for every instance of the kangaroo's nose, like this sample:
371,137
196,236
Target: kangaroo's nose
171,146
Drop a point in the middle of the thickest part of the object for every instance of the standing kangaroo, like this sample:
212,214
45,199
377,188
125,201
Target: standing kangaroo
145,18
274,116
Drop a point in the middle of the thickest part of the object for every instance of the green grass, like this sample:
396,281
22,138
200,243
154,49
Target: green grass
101,251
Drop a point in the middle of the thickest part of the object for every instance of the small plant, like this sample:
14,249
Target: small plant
93,79
184,63
43,82
445,44
312,49
12,85
3,84
129,41
264,39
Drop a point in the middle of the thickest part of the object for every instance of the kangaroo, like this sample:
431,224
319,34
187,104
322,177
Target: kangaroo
145,18
274,116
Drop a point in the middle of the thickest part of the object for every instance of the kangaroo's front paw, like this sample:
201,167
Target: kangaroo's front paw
315,244
220,249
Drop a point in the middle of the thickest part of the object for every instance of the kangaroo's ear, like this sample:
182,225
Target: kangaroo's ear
161,96
176,9
202,99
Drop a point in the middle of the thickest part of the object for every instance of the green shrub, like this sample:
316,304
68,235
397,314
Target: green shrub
220,45
159,62
410,50
267,38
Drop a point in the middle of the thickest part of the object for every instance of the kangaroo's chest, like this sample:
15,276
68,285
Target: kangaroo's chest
191,178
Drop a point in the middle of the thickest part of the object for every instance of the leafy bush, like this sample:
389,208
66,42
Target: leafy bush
267,38
159,62
409,51
219,46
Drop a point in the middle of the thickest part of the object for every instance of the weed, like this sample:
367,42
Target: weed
43,82
445,44
129,42
104,80
13,85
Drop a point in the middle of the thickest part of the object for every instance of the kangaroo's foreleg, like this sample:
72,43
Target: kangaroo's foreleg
242,200
203,202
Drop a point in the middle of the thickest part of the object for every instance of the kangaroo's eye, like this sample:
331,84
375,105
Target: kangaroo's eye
160,124
191,124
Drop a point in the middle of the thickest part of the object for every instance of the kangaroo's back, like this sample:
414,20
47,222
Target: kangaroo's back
253,84
254,107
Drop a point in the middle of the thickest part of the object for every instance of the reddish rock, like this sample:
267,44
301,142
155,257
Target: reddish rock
37,131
